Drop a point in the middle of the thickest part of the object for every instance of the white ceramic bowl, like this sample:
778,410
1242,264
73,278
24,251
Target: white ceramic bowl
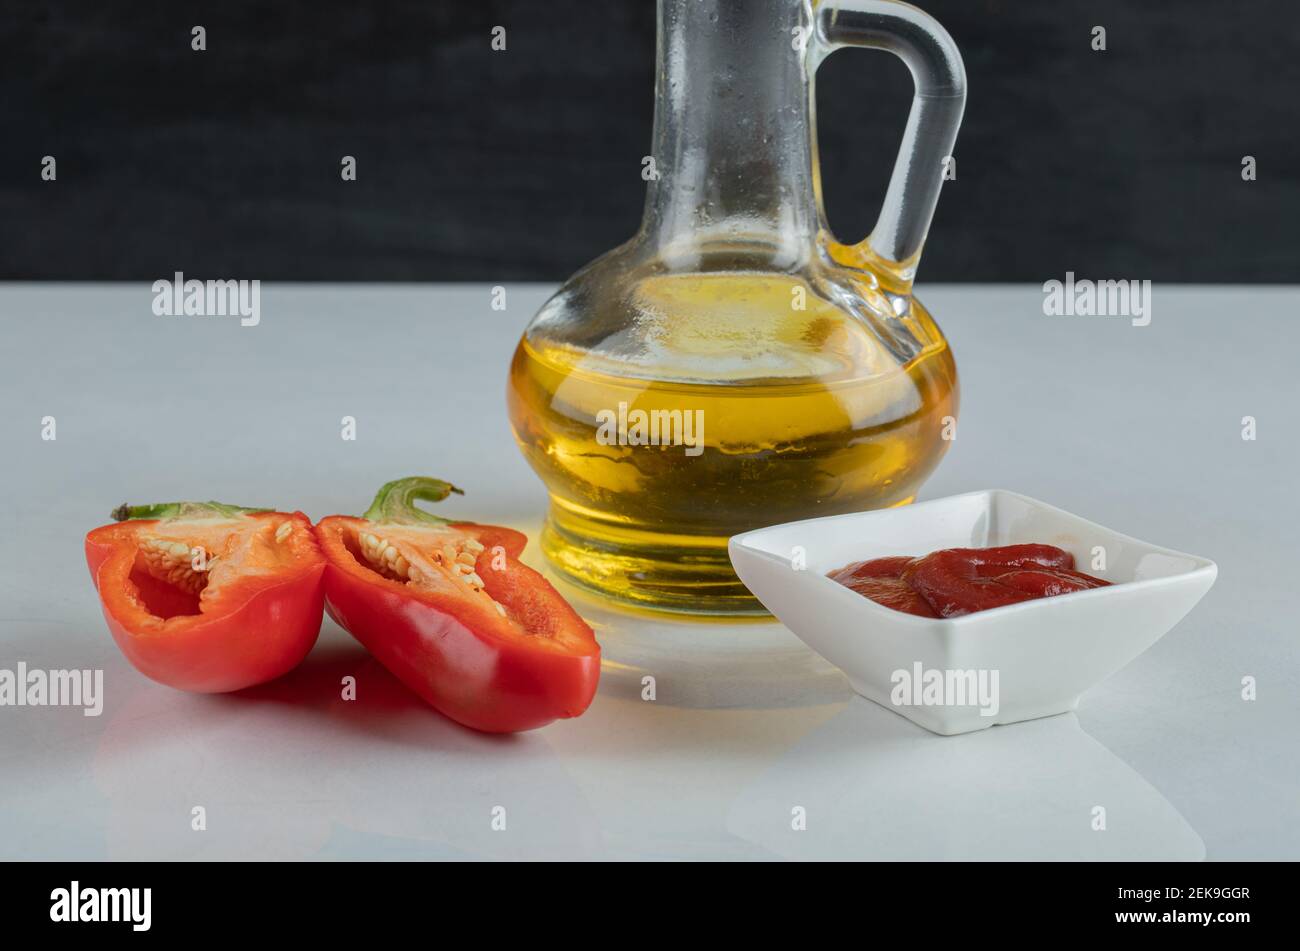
1032,659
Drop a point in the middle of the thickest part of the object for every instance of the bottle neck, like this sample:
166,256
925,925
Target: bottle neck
732,136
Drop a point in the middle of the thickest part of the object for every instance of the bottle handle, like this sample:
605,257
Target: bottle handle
893,248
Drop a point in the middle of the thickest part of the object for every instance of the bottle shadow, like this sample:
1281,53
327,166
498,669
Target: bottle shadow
718,665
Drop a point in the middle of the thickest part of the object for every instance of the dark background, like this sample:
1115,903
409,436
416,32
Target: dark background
476,165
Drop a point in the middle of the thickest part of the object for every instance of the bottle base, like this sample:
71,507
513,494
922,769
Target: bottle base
680,574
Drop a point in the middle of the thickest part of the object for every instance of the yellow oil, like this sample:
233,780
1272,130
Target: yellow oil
806,410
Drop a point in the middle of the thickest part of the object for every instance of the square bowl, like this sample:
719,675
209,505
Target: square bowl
957,675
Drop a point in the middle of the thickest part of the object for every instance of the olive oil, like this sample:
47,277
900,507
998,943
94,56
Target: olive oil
695,406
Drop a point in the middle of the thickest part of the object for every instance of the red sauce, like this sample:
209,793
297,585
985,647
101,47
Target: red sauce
957,581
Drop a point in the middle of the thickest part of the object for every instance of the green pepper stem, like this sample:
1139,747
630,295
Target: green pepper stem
181,510
395,502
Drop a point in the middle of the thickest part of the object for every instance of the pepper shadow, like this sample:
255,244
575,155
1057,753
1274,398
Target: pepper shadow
374,703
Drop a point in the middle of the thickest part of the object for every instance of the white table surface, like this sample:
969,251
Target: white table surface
1138,428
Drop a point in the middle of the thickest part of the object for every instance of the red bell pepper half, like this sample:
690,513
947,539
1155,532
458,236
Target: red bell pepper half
451,612
209,597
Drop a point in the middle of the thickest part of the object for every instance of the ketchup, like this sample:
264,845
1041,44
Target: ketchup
957,581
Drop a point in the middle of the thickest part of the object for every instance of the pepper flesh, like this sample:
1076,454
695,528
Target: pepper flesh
451,612
209,597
